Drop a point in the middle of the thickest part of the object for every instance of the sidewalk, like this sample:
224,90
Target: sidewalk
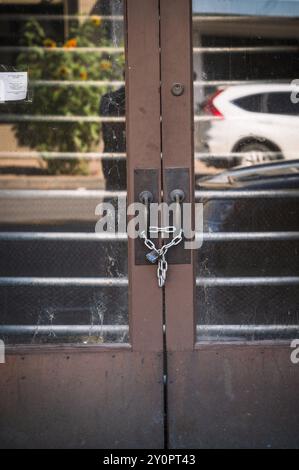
51,182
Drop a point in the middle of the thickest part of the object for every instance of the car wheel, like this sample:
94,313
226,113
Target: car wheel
257,152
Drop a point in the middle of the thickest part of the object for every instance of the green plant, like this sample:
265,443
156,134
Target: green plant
50,60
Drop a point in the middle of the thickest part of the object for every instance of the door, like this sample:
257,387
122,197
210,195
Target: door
162,101
80,320
232,370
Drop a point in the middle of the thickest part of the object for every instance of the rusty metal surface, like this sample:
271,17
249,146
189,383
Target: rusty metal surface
85,400
234,396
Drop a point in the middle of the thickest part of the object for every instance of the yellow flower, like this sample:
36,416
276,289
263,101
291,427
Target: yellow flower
83,75
71,44
63,71
96,20
50,44
105,65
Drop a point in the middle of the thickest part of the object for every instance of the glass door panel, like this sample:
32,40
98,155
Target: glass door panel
246,161
63,153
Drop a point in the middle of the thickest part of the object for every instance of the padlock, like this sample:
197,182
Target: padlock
152,257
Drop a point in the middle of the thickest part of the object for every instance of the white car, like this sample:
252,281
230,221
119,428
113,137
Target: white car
259,121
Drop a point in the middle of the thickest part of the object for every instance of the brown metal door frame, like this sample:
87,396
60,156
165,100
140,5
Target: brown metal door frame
144,153
177,151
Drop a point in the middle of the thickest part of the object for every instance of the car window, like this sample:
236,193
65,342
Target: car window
253,103
270,103
281,103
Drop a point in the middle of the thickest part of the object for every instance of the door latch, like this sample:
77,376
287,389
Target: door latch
159,254
176,191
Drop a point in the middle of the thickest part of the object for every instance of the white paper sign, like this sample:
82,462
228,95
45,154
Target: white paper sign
13,86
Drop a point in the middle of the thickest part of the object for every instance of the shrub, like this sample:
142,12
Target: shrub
43,63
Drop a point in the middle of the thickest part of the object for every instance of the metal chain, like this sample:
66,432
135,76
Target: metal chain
160,254
162,271
148,243
167,230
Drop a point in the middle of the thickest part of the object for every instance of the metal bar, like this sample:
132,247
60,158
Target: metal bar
213,330
236,50
62,330
58,236
60,193
116,84
275,167
26,17
102,194
206,118
264,331
247,236
207,330
203,83
247,281
61,155
62,282
40,118
247,194
236,18
195,18
122,237
86,83
211,156
63,50
119,50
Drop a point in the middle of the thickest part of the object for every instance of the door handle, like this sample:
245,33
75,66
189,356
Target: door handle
146,191
176,189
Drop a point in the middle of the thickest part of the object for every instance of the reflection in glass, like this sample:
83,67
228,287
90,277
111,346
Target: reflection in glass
246,120
63,150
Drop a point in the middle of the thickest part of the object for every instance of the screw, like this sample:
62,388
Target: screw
178,89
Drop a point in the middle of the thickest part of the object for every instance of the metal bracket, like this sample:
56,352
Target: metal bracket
145,181
177,182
